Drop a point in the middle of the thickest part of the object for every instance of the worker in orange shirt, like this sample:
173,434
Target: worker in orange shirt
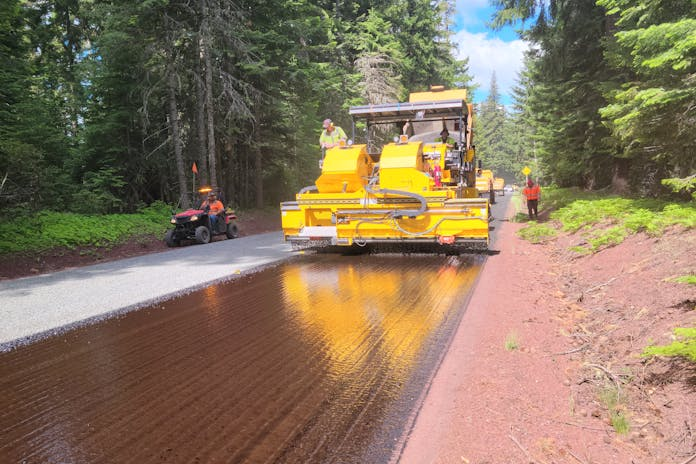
215,207
532,192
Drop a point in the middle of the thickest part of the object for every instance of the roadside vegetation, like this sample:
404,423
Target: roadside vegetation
610,397
49,229
687,279
512,341
538,233
605,221
684,345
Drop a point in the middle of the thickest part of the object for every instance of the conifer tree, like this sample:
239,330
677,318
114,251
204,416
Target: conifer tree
651,111
490,135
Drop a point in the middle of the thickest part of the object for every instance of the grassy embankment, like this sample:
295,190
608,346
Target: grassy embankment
605,221
48,229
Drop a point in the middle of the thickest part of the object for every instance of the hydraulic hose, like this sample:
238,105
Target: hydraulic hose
397,212
403,212
309,188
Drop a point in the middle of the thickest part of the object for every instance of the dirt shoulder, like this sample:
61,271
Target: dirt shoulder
579,325
17,265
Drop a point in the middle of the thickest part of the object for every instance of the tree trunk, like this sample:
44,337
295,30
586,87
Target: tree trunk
200,117
176,138
205,51
620,177
259,179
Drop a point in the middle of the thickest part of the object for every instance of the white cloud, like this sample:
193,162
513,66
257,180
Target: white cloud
488,54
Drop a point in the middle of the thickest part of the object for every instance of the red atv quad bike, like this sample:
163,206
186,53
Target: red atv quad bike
195,224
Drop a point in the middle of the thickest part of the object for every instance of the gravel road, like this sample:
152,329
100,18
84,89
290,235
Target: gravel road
36,306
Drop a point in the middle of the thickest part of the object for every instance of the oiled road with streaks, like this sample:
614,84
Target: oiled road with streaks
319,359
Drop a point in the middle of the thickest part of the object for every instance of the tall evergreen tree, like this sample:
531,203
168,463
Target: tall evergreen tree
34,142
490,135
107,103
568,72
651,111
518,130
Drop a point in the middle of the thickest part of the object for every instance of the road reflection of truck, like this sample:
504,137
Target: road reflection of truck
413,191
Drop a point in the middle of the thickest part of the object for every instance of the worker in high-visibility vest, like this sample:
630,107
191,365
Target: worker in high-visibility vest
532,193
331,136
213,207
445,138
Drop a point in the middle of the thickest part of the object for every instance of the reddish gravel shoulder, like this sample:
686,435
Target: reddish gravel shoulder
581,324
17,265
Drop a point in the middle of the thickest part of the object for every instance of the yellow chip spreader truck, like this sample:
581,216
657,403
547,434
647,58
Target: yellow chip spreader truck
484,181
499,185
418,189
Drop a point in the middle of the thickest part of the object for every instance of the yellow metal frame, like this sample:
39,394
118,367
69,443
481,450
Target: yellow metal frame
437,95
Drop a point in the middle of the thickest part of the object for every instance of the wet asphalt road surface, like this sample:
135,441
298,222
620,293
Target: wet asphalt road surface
323,358
319,359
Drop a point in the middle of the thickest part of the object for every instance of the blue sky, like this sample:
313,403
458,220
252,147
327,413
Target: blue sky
488,50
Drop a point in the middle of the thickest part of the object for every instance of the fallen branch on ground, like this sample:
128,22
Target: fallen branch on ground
596,429
596,287
608,373
526,453
579,460
583,347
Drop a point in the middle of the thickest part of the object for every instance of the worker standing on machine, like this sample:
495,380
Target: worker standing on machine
445,138
331,136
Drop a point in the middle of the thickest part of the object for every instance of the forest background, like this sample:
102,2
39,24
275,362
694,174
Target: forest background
106,105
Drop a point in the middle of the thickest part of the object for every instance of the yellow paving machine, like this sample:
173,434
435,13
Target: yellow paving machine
415,190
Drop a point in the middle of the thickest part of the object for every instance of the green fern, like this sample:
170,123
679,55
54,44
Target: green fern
49,229
607,221
608,238
687,279
684,346
537,233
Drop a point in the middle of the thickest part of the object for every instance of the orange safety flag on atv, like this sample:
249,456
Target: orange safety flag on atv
531,193
194,168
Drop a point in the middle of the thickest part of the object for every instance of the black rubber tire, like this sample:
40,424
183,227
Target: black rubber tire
202,235
232,230
169,238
